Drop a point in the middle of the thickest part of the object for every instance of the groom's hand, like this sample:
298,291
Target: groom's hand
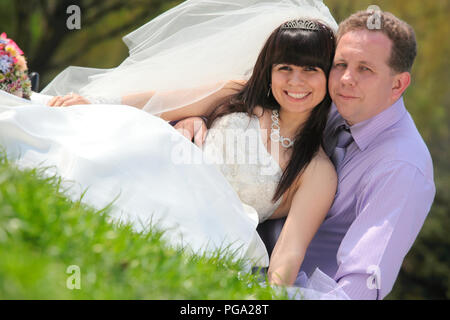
67,100
193,128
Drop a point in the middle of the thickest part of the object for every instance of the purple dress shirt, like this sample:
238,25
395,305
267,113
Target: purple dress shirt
385,192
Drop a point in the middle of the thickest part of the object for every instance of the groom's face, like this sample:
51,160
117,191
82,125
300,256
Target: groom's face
361,80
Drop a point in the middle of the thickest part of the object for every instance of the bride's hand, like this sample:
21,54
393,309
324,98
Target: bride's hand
193,128
67,100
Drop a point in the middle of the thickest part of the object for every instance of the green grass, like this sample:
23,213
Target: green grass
42,233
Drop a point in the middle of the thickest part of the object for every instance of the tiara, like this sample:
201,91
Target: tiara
300,24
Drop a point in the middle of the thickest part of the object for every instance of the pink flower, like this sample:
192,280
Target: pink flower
11,43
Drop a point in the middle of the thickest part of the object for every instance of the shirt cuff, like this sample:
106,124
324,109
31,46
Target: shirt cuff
317,287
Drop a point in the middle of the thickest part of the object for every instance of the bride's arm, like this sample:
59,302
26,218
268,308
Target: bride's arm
137,100
202,107
310,204
205,106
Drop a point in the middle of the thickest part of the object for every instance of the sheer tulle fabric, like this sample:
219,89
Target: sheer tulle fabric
190,51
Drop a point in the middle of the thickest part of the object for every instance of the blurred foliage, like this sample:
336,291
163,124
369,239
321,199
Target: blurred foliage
39,28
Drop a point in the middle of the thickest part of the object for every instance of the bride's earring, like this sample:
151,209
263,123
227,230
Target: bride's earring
268,91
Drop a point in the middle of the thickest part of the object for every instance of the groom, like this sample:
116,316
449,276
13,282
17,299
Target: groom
385,170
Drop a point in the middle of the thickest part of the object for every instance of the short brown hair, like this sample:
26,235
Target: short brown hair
401,34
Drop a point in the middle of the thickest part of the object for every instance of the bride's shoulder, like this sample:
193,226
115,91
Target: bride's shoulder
321,169
233,118
238,119
322,156
322,160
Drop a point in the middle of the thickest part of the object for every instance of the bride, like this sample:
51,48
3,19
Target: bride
154,176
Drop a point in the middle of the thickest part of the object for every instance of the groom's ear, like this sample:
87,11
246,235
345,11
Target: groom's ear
400,82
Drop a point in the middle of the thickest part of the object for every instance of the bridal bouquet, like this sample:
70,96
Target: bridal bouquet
13,69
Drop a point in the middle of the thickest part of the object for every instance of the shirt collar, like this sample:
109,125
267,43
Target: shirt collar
366,131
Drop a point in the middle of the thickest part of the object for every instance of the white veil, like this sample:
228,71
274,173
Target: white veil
190,51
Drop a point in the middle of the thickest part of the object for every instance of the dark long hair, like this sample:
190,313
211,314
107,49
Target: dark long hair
288,46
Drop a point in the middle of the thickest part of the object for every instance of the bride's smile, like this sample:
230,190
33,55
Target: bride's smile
297,96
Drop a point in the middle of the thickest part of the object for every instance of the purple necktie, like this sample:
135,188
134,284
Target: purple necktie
344,138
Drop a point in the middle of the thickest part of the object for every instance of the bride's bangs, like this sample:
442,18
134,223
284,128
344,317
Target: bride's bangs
302,48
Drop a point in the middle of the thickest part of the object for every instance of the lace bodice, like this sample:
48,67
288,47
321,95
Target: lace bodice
235,144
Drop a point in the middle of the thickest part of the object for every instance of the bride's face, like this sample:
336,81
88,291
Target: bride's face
297,88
